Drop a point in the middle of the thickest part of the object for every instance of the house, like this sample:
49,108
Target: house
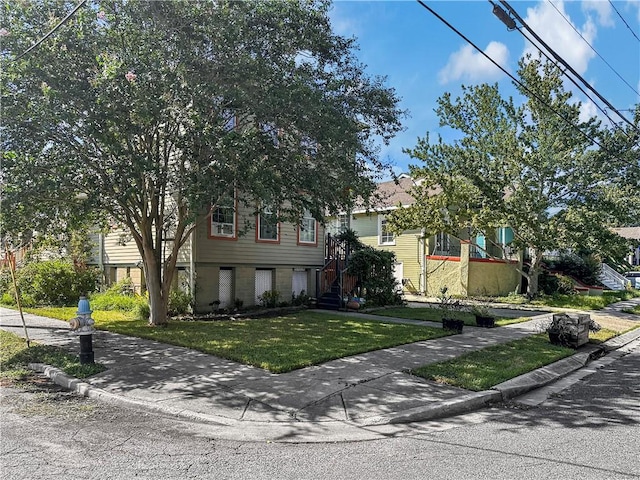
633,235
232,257
428,261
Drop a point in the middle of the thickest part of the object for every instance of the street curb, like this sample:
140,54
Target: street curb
441,409
68,382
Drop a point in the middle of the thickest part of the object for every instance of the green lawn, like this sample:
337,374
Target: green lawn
490,366
485,368
635,310
277,344
435,315
580,302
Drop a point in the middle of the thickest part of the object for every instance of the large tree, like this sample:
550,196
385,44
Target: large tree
157,110
534,167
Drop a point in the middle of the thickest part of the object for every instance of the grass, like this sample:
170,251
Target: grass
485,368
435,315
279,344
67,313
580,302
15,357
635,310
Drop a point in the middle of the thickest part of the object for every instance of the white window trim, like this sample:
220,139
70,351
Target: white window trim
267,211
216,225
307,216
381,219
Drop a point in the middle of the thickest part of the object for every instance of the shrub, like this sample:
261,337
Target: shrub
143,311
179,303
55,282
586,268
269,298
115,301
8,299
123,287
374,268
565,285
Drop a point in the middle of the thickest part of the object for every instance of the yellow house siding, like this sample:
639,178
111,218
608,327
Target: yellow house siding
492,278
444,273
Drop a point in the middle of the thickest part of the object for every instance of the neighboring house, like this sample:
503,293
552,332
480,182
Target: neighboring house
632,234
428,261
233,256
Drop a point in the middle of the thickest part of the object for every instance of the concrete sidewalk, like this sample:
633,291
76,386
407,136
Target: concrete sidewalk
358,397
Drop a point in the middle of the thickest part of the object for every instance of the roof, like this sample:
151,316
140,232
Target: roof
632,233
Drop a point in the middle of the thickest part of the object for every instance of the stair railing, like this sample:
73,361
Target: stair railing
607,271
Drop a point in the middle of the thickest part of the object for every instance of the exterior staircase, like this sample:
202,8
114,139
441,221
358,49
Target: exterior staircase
334,283
611,279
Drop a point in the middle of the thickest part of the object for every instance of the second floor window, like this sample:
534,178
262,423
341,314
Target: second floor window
385,236
307,232
267,225
223,219
443,243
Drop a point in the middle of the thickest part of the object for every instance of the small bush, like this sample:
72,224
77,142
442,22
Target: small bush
143,311
269,299
123,287
300,299
179,303
8,299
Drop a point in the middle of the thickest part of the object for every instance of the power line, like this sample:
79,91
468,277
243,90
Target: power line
591,47
531,92
604,112
53,30
625,22
564,63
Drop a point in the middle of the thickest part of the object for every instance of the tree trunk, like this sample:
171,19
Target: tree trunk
534,273
157,300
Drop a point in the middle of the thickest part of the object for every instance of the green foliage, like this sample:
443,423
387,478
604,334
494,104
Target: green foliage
8,299
301,299
128,103
585,268
269,298
143,312
116,301
55,282
374,268
179,303
122,287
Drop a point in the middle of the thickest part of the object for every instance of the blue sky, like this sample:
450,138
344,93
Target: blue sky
423,58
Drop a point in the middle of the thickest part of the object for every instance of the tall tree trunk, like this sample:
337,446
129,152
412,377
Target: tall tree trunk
157,300
534,273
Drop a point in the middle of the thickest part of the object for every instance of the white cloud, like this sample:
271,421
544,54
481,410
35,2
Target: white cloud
602,8
553,29
588,110
468,64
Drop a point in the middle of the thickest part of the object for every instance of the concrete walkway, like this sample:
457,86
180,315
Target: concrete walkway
358,397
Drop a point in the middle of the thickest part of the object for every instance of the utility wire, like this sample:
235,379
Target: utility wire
625,22
604,112
591,47
565,64
53,30
531,92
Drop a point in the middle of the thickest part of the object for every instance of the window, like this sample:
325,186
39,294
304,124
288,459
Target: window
267,229
342,222
223,219
229,120
385,237
307,232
